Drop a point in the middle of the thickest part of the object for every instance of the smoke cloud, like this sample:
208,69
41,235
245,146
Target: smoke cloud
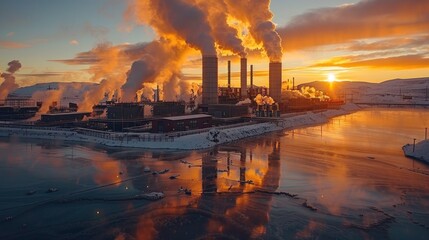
160,63
178,18
110,67
225,35
9,84
257,14
305,92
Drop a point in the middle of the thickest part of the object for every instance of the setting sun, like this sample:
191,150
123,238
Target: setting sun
331,77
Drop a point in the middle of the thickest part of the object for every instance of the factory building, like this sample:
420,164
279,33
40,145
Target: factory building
181,123
168,108
228,110
121,116
125,111
63,118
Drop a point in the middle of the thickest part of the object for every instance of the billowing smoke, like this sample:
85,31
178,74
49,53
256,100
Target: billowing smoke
246,101
225,35
8,85
14,66
48,98
110,68
160,63
305,92
262,100
178,18
257,14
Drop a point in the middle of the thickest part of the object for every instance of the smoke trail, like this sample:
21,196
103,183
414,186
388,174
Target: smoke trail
160,61
110,68
9,85
14,66
217,16
177,18
257,14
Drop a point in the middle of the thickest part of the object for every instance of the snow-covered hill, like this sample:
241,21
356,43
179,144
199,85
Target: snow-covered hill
392,91
69,89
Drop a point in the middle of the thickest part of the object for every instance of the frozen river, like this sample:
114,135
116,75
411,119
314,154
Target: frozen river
346,179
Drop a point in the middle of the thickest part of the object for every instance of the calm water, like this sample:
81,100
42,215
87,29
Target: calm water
350,178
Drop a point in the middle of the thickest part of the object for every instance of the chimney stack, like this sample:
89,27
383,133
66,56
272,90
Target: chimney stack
293,84
210,80
275,81
243,78
251,76
229,74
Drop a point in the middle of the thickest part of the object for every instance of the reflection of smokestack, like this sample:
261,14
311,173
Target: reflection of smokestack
229,74
275,81
210,80
244,78
251,76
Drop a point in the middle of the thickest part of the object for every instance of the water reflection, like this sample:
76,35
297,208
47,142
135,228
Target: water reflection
225,204
351,170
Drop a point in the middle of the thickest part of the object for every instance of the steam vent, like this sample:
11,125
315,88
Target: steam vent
275,81
210,80
243,77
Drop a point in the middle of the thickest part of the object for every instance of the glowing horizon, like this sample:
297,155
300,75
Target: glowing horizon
314,44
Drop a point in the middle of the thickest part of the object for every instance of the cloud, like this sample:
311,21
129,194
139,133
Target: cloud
12,45
363,20
10,34
82,58
403,62
131,52
74,42
43,74
391,43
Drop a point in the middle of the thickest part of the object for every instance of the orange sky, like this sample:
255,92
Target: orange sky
371,40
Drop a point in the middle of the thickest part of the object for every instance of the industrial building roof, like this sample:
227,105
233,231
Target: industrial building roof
65,113
187,117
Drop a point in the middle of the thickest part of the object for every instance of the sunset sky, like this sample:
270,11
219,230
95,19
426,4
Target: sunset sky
372,40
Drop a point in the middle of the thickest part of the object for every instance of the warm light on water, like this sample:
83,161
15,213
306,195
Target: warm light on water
352,170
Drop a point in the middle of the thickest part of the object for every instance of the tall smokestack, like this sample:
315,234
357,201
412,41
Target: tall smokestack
251,76
275,81
210,79
244,78
293,83
229,74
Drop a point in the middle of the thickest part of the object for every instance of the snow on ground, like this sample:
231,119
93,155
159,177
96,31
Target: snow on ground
199,140
397,91
420,152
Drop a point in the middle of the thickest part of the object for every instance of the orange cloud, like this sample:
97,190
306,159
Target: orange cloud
396,62
12,45
386,44
363,20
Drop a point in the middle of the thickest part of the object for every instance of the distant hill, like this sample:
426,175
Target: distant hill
69,89
391,90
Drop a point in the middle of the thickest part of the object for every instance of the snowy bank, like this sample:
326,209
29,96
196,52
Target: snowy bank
182,141
421,151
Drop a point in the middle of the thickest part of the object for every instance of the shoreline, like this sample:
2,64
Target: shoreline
200,140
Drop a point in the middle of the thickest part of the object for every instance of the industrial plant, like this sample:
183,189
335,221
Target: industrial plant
220,106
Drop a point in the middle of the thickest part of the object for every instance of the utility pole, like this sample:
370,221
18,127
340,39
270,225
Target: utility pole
414,145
